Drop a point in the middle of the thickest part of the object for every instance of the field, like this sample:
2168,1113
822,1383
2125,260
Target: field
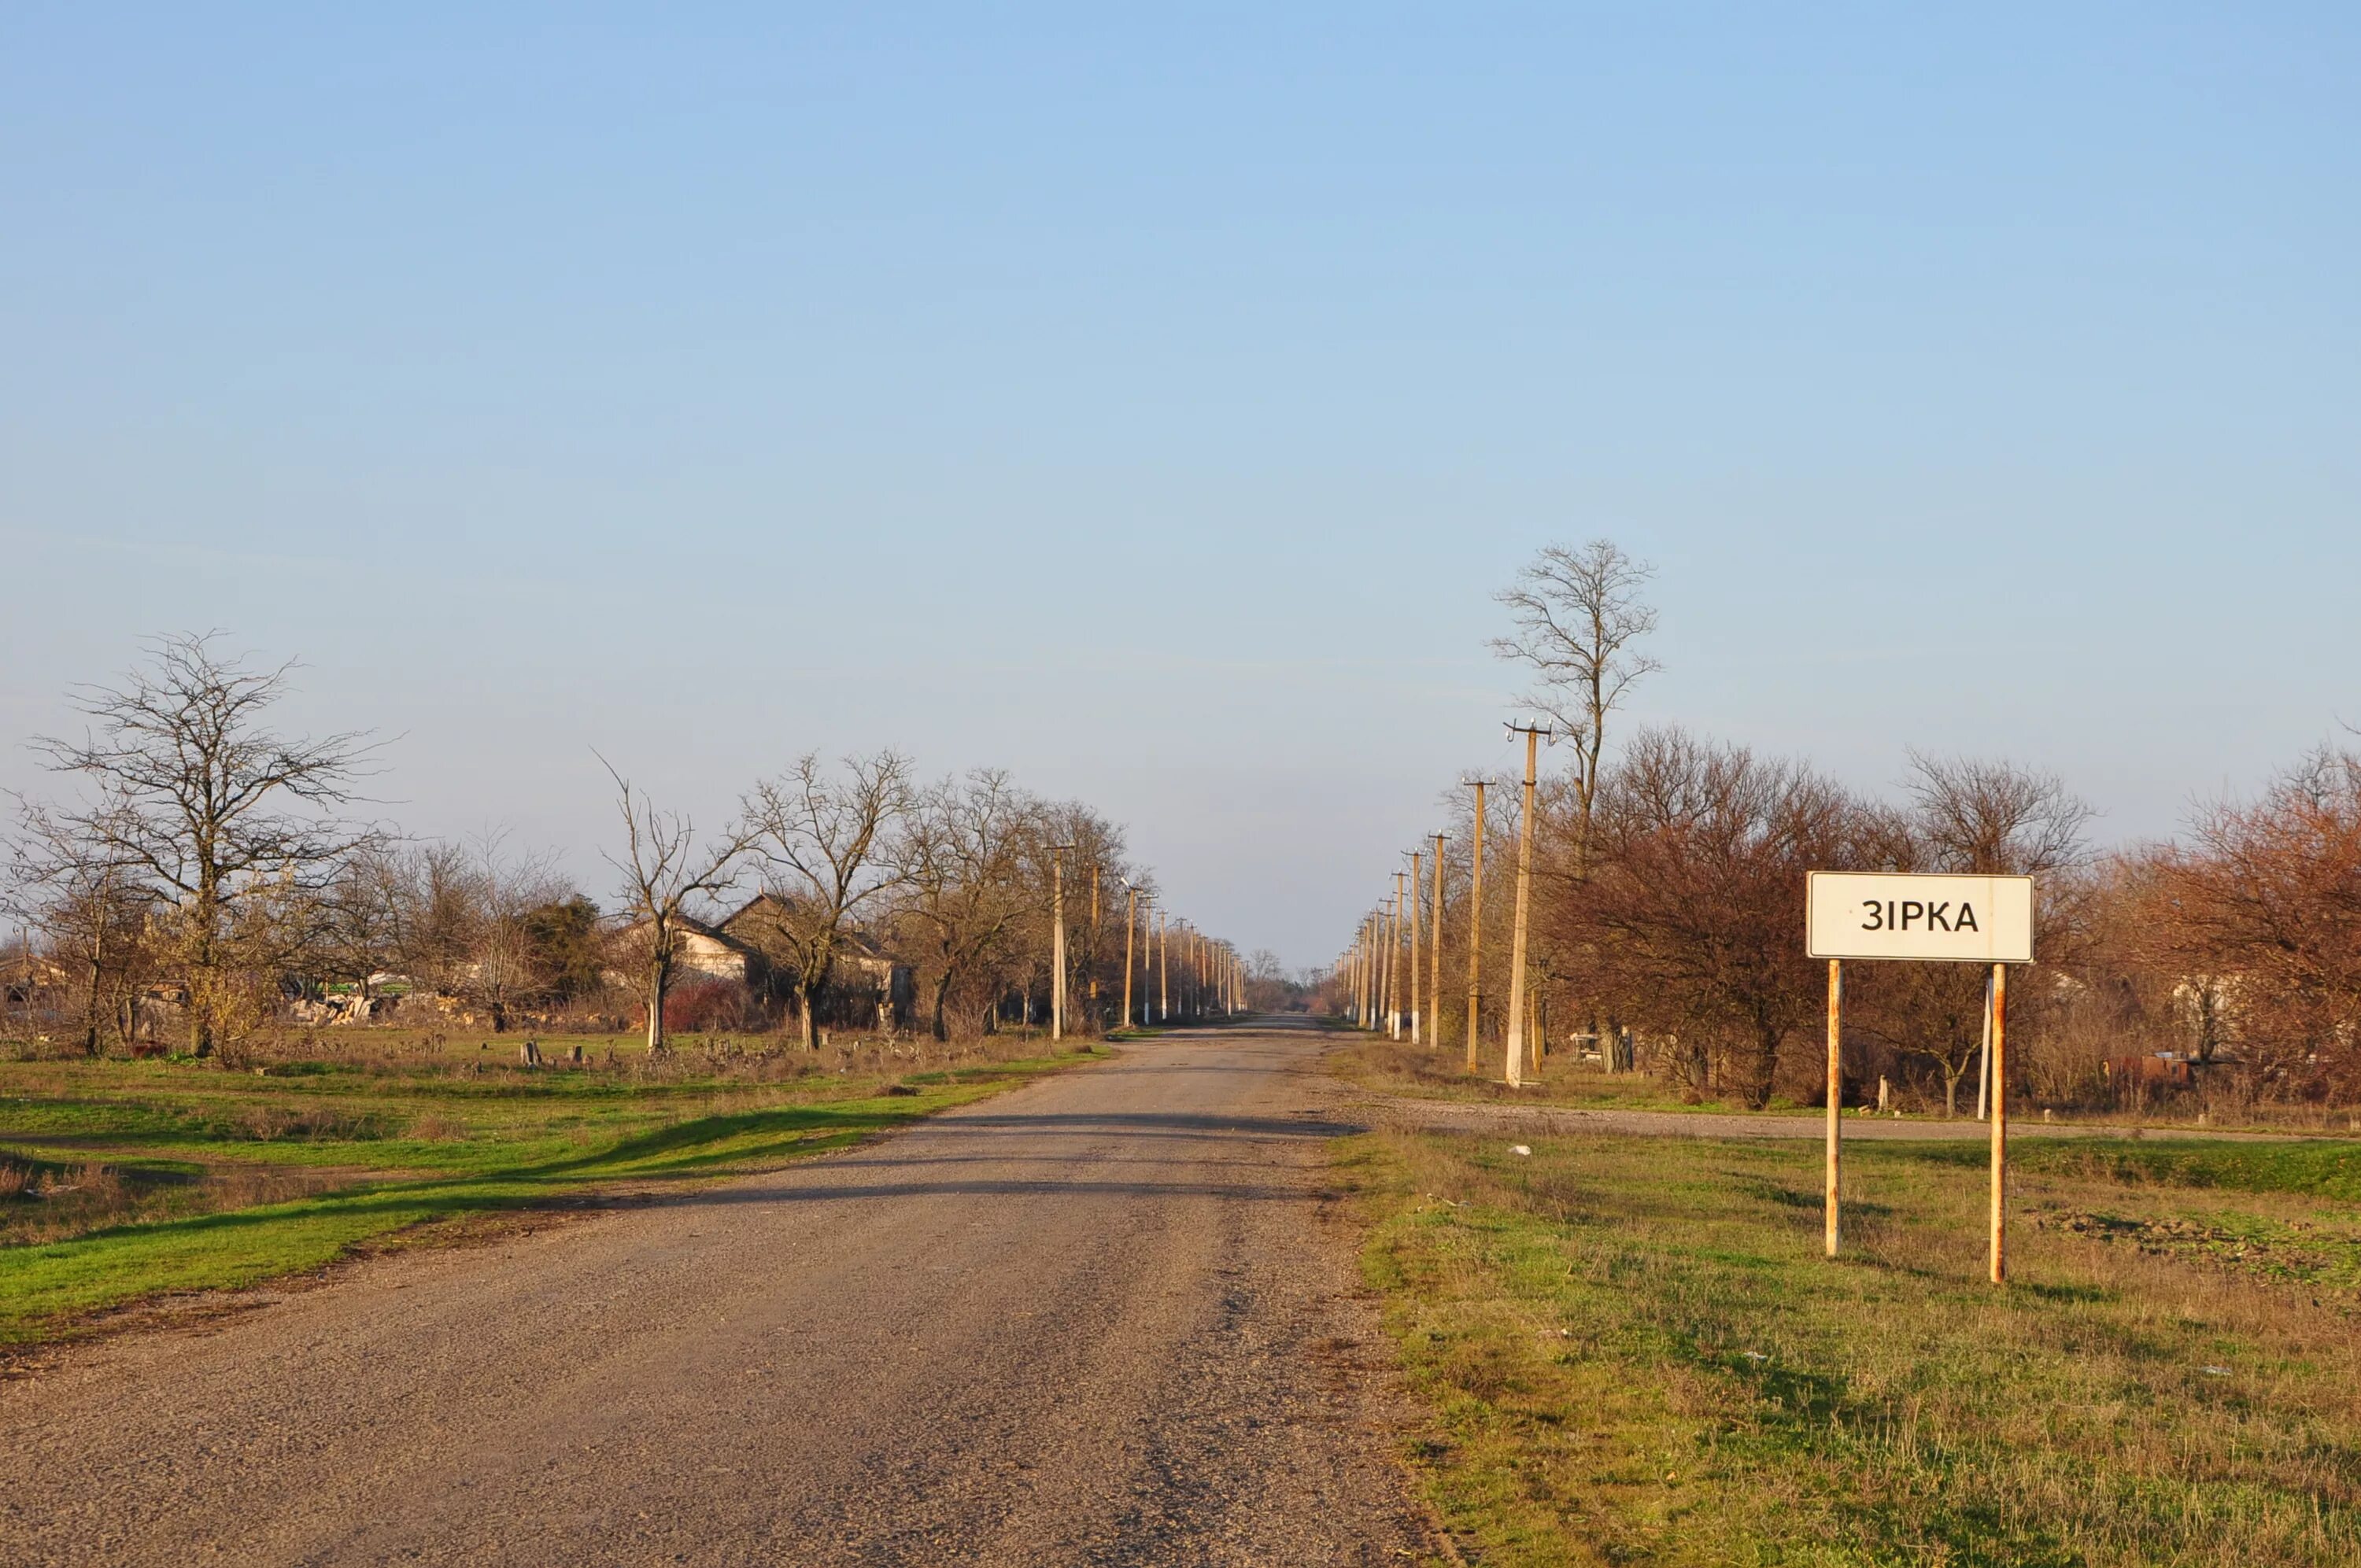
1630,1349
122,1181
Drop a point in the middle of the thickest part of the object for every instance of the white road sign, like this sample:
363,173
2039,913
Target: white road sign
1903,915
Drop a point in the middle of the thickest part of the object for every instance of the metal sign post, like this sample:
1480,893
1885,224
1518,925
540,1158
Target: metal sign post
1836,1094
2000,1123
1927,919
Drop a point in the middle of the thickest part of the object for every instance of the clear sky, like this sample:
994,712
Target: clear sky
1149,400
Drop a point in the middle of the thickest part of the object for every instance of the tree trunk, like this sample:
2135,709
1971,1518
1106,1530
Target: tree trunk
659,982
1763,1069
202,980
808,1004
90,1007
1951,1076
942,993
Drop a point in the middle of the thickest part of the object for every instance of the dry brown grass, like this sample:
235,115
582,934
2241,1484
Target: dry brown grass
1632,1352
44,1202
1394,1066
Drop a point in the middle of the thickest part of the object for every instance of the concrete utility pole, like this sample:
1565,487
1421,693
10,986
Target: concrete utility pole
1532,734
1095,929
1393,965
1363,991
1349,976
1417,885
1164,971
1434,954
1058,940
1352,979
1188,990
1130,925
1476,924
1363,996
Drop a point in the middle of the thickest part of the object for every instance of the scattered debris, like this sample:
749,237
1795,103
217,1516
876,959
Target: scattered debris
2190,1240
1519,1148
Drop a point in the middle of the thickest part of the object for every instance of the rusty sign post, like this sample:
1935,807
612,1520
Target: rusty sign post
1999,1006
1923,918
1836,1096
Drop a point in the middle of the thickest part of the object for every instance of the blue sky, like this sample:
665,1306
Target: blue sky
1150,403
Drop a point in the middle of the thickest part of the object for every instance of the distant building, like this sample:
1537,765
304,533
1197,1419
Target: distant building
867,988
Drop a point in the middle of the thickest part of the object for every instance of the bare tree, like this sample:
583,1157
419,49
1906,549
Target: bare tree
960,850
1985,817
1994,818
1687,926
2266,906
94,906
363,924
193,793
1578,614
502,966
828,842
664,872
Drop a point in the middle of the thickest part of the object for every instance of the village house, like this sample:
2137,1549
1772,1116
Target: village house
868,987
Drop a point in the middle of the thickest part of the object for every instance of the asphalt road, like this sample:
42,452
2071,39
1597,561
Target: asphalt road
1108,1318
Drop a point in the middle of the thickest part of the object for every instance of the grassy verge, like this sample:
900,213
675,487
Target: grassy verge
125,1180
1393,1067
1629,1350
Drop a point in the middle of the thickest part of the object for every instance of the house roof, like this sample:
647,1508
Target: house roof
851,940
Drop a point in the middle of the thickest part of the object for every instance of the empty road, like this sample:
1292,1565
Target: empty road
1101,1319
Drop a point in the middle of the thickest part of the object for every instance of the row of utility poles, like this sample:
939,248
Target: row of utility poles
1381,971
1212,980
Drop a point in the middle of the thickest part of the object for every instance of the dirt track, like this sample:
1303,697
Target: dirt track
1098,1320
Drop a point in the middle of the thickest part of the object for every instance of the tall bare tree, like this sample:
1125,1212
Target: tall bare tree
664,870
1578,615
225,819
830,848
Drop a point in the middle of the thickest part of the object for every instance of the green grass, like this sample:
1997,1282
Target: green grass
162,1157
1629,1350
2320,1167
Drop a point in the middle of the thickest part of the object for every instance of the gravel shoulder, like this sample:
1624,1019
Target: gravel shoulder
1108,1318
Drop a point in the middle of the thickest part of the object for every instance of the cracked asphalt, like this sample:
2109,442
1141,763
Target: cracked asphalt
1108,1318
